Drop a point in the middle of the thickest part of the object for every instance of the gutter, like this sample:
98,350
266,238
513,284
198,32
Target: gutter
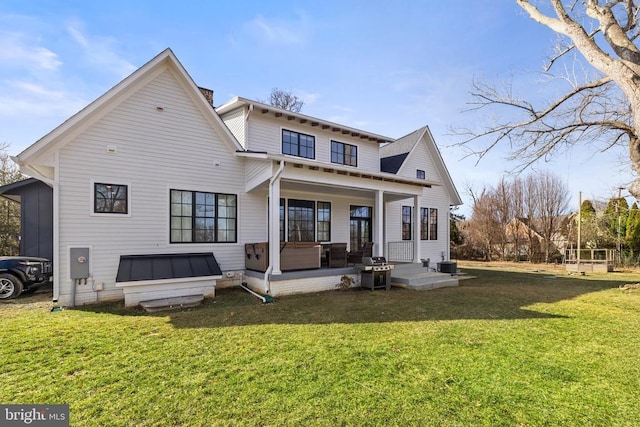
274,178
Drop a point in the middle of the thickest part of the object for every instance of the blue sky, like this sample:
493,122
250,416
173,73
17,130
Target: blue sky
388,67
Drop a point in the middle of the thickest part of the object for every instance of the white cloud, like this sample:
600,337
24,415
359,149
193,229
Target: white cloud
100,51
309,98
20,52
280,32
22,99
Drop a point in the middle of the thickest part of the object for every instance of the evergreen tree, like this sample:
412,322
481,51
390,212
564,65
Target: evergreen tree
632,236
615,219
588,225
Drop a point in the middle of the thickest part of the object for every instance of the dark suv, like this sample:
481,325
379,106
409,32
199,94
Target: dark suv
18,274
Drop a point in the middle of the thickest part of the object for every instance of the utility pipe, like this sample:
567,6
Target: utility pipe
255,294
274,178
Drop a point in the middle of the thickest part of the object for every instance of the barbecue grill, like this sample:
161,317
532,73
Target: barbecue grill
375,273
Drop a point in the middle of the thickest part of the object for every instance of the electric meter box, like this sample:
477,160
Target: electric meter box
79,259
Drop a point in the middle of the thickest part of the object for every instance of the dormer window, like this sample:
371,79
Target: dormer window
344,154
420,174
298,144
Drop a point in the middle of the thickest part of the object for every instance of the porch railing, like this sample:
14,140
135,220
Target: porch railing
400,251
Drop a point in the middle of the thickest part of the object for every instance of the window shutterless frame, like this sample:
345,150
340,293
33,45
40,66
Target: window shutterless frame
406,223
111,199
298,144
201,217
344,154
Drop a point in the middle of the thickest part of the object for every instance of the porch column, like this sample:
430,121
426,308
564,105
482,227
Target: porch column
274,226
378,228
416,229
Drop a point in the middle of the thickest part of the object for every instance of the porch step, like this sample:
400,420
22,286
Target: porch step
172,303
415,276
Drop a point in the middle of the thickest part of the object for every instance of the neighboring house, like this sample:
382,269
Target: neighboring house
36,216
156,193
525,238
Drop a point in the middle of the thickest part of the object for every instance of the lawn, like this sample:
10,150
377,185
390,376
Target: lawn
530,347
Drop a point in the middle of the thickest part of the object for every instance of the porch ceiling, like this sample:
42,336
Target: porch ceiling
340,191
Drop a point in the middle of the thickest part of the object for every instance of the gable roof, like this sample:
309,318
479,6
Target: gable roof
392,164
14,190
394,155
40,152
262,108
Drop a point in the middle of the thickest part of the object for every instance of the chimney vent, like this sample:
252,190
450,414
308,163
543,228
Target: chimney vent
208,94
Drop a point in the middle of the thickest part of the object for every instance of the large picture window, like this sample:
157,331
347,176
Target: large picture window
406,223
305,221
344,154
298,144
110,198
198,217
301,220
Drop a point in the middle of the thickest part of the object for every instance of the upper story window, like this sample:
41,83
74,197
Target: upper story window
110,198
298,144
420,174
344,154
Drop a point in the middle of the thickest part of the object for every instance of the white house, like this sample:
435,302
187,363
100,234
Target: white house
156,192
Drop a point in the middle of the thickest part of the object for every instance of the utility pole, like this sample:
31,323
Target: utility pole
579,228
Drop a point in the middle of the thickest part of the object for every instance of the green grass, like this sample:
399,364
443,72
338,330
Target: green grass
505,348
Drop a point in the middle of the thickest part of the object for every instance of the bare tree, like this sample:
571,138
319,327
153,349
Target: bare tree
553,201
503,213
600,105
482,225
516,214
518,205
9,210
285,100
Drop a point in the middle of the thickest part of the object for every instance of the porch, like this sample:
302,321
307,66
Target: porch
404,275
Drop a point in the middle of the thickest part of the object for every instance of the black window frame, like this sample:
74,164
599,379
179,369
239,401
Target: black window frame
112,201
323,217
407,223
424,223
339,153
301,220
433,224
201,205
283,219
292,144
421,174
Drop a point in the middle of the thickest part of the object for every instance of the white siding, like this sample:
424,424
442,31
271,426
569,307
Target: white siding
266,135
235,122
434,197
156,151
420,158
257,172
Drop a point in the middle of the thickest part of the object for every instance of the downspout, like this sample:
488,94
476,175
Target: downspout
274,178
